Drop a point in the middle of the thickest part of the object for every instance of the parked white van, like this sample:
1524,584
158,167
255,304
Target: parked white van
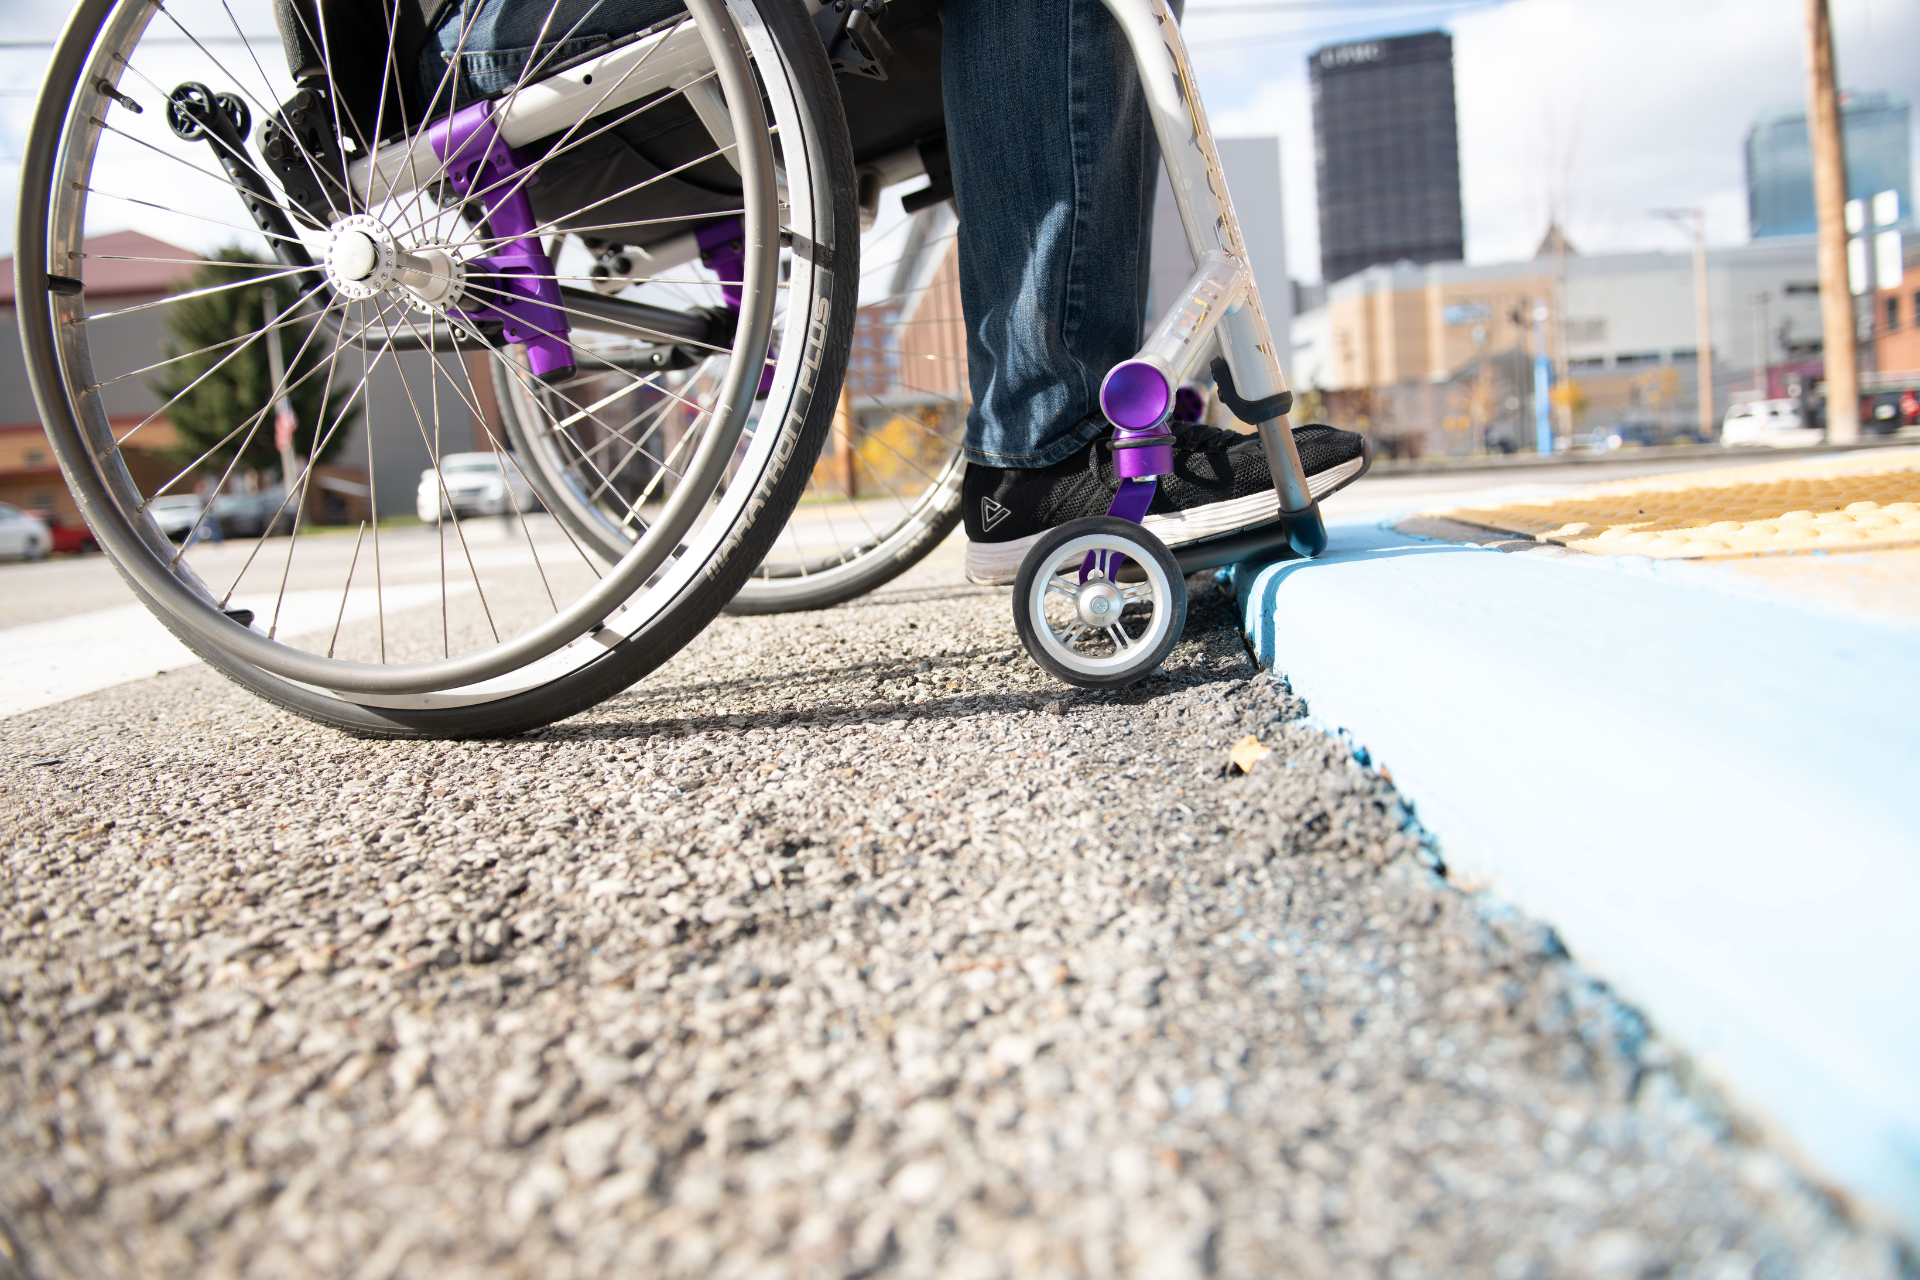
1771,423
476,484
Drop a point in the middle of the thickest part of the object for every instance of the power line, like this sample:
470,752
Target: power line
48,44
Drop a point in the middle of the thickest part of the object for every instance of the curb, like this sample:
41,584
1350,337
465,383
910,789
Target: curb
1707,790
1444,464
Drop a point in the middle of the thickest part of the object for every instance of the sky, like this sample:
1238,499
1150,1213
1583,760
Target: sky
1601,110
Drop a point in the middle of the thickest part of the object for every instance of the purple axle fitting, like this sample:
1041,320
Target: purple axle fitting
1135,396
1142,461
1137,399
515,283
723,251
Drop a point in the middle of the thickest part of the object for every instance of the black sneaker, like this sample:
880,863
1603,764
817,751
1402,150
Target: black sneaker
1220,485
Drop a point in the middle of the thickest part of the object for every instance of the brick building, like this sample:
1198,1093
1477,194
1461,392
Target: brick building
121,270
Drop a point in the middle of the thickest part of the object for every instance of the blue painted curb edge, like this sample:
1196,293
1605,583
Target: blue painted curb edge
1710,794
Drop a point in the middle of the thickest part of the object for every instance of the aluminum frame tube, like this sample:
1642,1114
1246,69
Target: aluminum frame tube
1206,211
616,79
1175,345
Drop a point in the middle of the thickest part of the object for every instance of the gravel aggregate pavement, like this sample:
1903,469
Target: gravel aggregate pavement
846,944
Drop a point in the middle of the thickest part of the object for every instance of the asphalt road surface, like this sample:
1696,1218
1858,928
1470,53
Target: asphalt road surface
846,944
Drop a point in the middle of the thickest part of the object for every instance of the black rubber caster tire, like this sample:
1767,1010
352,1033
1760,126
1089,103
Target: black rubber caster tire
1051,642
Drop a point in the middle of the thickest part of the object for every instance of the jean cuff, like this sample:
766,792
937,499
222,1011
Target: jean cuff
1069,443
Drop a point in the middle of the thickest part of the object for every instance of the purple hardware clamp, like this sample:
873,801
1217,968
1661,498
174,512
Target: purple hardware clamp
517,278
723,252
1137,400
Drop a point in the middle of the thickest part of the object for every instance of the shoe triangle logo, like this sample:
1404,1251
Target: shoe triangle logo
991,514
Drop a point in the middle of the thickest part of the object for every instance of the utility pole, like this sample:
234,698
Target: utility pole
1829,202
1702,315
845,455
1761,353
1519,315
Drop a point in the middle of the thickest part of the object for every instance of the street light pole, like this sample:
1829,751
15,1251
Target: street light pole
1829,201
1542,384
1702,315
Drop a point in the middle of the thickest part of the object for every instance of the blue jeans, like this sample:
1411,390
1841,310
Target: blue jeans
1053,159
501,35
1053,165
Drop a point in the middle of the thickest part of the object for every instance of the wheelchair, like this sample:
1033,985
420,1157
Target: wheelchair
694,285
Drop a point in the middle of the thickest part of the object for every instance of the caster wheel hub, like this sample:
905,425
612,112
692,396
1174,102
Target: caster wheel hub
1099,603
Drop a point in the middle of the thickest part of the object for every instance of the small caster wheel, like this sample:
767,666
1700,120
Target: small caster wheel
1099,602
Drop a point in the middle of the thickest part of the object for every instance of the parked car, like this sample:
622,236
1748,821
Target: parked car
476,485
1775,424
23,535
74,537
246,515
1634,434
1881,414
178,514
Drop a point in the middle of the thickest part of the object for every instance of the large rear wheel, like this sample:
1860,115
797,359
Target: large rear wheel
362,290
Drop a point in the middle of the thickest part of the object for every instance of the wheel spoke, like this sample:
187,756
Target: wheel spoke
221,178
345,587
249,426
633,433
306,476
207,291
198,217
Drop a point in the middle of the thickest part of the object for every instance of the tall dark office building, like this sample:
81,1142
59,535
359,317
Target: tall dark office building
1387,153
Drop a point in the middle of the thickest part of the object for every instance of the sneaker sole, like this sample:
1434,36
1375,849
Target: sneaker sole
997,564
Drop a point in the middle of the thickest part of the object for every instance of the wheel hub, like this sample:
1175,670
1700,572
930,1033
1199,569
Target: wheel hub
364,260
361,256
1099,604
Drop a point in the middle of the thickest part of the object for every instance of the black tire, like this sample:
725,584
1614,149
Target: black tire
1162,585
591,672
909,546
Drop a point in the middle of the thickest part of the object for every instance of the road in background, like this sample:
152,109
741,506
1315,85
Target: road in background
70,626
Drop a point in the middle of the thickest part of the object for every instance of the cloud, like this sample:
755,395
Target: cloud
1605,110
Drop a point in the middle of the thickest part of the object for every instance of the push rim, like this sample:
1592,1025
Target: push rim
103,45
887,485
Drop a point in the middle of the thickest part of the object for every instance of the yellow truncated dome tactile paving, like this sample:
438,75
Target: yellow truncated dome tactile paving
1856,502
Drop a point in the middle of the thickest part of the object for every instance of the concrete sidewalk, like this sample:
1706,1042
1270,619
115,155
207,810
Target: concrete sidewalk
1700,770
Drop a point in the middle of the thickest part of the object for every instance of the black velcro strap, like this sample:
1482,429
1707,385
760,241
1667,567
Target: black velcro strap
1251,412
1140,442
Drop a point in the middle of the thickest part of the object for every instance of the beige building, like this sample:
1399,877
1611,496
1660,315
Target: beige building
1439,358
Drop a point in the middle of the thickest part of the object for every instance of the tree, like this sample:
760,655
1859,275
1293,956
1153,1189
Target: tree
207,412
1571,396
